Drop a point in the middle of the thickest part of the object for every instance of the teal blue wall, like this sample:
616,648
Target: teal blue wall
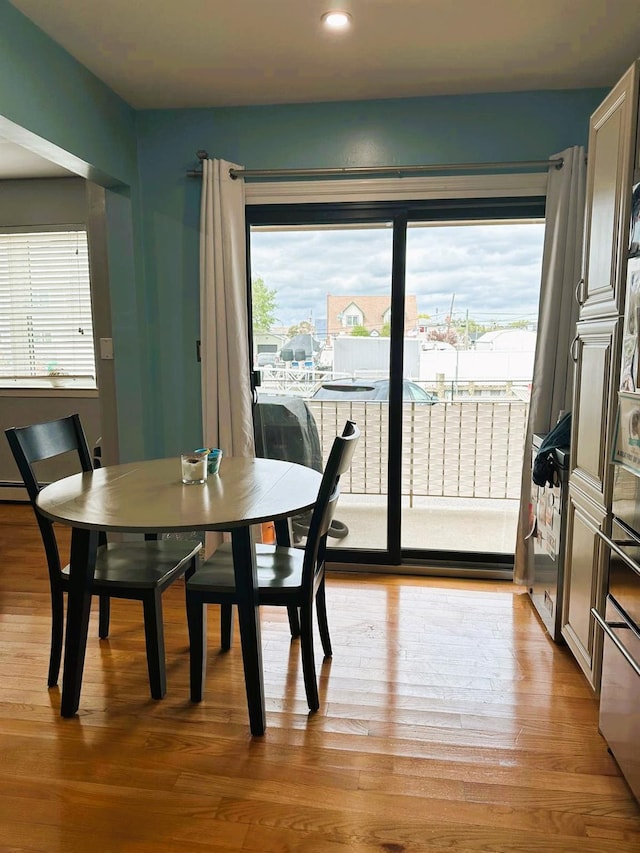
153,208
46,91
517,126
65,109
474,128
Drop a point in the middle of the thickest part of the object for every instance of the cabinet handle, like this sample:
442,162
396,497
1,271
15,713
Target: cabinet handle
573,349
580,292
612,545
606,627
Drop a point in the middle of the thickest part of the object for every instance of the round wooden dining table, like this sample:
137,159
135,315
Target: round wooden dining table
149,497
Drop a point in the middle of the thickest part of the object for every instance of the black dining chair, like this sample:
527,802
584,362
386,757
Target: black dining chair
133,570
287,577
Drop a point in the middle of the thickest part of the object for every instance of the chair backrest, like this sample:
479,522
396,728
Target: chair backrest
35,443
339,461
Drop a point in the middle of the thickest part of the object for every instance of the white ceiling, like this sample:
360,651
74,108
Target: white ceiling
207,53
17,163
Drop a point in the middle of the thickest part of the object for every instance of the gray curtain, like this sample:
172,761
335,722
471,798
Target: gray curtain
552,385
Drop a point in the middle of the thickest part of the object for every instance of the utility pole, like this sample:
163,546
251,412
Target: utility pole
453,297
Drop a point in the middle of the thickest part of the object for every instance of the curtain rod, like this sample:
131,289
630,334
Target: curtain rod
399,171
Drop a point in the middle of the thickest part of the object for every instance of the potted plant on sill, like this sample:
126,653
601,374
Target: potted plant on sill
55,373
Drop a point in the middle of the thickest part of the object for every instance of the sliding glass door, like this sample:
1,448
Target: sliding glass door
476,287
418,322
321,297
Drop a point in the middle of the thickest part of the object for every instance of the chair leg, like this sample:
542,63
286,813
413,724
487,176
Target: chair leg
103,622
193,565
226,626
197,624
154,634
308,661
294,620
57,633
323,625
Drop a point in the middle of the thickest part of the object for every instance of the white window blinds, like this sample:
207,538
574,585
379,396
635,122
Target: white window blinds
46,325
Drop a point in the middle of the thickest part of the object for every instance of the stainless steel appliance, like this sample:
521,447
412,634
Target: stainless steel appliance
620,621
620,687
549,504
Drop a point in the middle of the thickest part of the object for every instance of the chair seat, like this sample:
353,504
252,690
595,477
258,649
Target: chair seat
140,565
279,569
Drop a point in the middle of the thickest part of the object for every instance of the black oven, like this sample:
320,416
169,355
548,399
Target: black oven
620,687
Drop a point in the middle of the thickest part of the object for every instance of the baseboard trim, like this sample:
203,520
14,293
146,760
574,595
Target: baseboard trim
13,492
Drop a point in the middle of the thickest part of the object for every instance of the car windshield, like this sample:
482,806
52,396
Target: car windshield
359,391
376,389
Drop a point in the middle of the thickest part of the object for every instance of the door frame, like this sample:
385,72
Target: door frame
492,196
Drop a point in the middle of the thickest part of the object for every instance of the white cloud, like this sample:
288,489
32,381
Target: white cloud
493,270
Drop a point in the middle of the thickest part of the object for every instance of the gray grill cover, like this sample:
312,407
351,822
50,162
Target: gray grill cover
286,429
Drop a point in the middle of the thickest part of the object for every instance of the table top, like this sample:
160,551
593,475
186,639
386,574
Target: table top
150,496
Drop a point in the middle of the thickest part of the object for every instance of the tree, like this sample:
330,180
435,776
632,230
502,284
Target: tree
385,331
447,334
473,326
302,328
263,305
359,332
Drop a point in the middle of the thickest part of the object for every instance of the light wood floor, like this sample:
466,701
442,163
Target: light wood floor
448,722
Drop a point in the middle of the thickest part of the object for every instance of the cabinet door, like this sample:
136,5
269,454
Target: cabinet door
584,584
609,177
594,400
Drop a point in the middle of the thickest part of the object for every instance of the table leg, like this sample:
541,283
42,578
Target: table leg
84,545
283,532
244,565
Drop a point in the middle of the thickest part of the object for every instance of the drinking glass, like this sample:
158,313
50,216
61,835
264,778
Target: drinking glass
194,467
214,460
214,457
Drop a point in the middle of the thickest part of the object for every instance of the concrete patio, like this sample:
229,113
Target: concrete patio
432,523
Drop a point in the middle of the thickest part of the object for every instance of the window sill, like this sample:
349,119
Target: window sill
59,386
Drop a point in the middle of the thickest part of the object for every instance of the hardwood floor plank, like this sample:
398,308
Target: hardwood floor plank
449,721
437,829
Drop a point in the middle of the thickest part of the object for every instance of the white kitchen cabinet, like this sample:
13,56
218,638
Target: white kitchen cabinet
584,583
612,156
596,354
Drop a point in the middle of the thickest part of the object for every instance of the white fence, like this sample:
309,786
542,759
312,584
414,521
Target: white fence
450,449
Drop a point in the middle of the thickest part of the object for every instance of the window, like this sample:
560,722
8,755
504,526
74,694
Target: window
46,328
419,395
352,316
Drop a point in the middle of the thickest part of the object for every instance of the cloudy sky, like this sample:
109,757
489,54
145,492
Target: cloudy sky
491,271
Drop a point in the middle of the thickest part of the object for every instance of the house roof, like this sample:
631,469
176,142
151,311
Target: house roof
372,307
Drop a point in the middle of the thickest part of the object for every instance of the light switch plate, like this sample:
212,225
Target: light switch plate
106,348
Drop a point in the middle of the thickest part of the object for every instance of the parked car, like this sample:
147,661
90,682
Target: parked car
371,389
266,359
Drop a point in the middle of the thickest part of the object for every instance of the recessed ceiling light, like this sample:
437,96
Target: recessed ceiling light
336,19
